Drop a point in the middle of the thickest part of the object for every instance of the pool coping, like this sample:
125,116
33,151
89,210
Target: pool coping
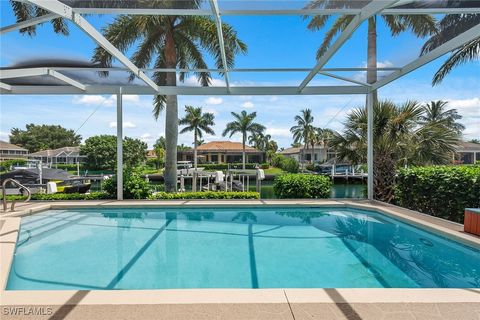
11,223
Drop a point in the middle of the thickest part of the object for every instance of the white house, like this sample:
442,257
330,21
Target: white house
65,155
10,151
301,154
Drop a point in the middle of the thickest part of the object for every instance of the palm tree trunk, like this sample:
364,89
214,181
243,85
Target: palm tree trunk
313,152
244,138
372,54
195,150
171,120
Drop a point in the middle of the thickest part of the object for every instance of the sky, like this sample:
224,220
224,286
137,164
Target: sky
279,41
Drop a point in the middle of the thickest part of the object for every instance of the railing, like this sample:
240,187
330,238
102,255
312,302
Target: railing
4,193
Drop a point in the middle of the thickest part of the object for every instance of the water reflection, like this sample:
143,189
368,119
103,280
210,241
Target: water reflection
434,265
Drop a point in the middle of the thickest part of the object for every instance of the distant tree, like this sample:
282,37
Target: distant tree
437,112
183,147
101,152
160,143
475,141
41,137
244,124
304,129
159,148
296,145
198,122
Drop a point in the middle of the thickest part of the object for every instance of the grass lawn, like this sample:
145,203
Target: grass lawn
274,171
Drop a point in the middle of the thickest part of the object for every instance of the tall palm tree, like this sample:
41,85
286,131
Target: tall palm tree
25,11
399,138
420,25
304,129
450,26
436,111
170,42
244,124
198,122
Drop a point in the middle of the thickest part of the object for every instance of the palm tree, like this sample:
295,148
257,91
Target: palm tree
323,137
400,137
304,129
257,139
25,11
198,122
435,111
450,26
243,124
420,25
170,42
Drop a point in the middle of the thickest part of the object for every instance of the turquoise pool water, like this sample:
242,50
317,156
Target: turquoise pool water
268,247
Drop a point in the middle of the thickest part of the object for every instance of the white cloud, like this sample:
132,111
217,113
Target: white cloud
95,100
192,81
214,101
4,136
279,132
145,136
126,124
247,105
133,98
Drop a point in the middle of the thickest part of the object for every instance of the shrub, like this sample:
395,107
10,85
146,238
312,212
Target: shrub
64,196
289,165
134,185
265,166
205,195
6,164
277,159
299,186
69,167
440,191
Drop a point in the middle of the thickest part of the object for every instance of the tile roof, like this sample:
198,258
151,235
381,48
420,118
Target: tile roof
225,146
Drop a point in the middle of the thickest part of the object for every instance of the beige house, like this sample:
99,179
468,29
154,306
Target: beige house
10,151
222,152
467,153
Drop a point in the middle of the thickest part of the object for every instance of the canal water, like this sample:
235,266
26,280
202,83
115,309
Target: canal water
340,189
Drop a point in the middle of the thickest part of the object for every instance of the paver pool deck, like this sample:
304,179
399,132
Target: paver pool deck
284,303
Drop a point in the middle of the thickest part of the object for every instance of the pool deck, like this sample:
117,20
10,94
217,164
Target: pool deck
236,303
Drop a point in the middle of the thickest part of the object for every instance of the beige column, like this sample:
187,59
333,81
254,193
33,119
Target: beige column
219,158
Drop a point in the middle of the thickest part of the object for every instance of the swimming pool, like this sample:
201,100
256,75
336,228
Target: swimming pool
236,247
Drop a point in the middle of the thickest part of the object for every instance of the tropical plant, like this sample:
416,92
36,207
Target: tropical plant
198,122
400,138
25,11
304,130
436,112
170,42
421,26
243,124
135,186
449,27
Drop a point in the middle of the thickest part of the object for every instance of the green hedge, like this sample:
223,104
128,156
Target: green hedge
299,186
204,195
69,167
440,191
64,196
224,166
135,186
